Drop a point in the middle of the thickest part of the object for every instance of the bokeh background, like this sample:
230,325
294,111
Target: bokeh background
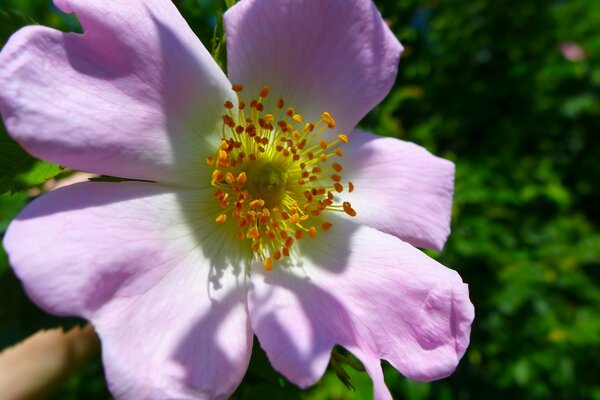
510,91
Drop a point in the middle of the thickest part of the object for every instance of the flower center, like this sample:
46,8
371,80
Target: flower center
276,177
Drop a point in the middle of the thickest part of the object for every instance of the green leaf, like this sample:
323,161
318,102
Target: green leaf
218,48
18,170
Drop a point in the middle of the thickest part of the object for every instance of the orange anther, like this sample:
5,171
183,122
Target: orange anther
328,119
237,87
241,178
294,219
348,209
265,91
286,251
290,112
336,178
323,144
228,105
350,187
339,153
298,235
229,178
277,255
283,234
268,264
337,167
326,225
221,219
217,176
280,103
210,160
338,187
253,233
312,232
289,242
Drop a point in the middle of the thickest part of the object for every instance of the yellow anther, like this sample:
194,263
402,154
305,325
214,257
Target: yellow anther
229,178
297,118
343,138
269,118
222,155
328,119
268,264
221,219
257,203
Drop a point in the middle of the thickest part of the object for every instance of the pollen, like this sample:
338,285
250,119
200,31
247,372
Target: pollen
276,176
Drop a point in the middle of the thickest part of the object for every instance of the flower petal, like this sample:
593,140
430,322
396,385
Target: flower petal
400,188
135,96
145,267
369,292
335,55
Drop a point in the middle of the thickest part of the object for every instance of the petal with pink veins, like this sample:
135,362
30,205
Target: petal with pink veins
144,265
369,292
136,96
337,56
399,188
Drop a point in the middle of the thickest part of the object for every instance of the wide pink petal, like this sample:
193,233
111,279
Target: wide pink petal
369,292
136,96
319,55
144,265
400,188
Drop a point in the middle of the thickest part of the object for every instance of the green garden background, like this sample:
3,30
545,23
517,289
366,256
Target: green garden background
510,91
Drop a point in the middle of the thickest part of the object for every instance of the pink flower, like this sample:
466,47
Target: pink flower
572,51
177,275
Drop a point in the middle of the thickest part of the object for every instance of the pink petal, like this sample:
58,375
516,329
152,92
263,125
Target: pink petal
400,188
369,292
135,96
319,55
145,267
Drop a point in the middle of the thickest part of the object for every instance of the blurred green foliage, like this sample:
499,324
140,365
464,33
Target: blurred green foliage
484,83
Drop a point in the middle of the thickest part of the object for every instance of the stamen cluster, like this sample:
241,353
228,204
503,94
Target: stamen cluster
275,175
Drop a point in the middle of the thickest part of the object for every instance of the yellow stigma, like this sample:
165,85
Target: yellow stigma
276,176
